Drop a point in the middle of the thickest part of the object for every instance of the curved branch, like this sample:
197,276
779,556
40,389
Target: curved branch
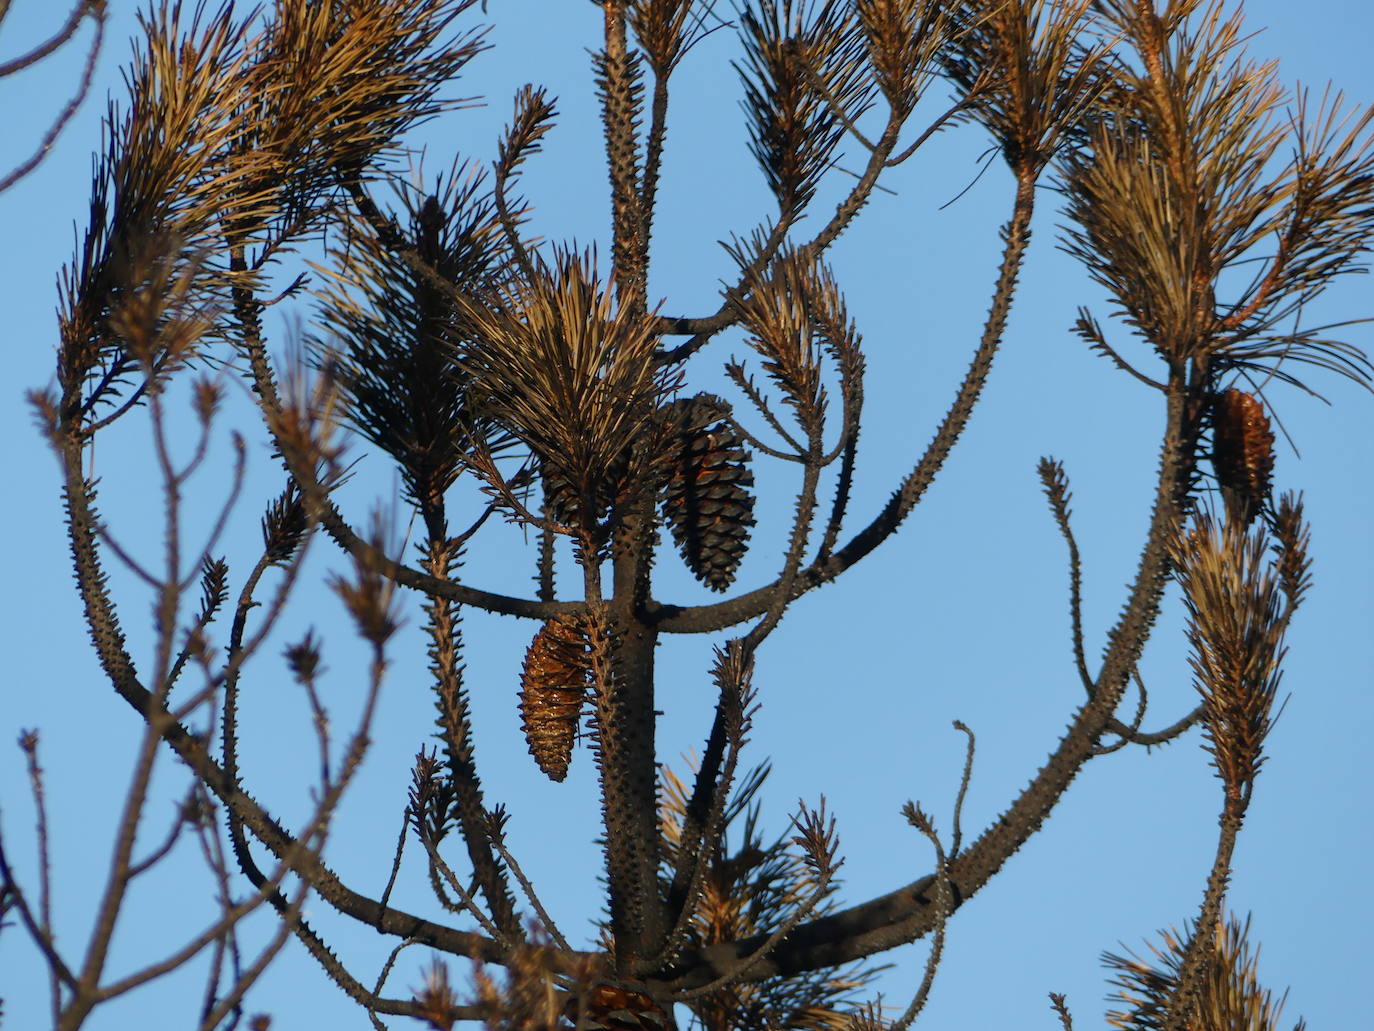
912,911
707,618
944,905
1056,484
702,329
1169,733
119,668
96,12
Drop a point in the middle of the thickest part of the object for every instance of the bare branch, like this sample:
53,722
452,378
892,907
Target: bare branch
95,9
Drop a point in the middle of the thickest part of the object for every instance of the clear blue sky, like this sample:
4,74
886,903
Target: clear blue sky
964,616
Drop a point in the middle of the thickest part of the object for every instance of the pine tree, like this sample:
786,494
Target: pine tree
543,384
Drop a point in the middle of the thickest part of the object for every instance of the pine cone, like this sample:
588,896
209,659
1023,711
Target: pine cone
706,502
553,690
1242,453
563,501
613,1007
560,498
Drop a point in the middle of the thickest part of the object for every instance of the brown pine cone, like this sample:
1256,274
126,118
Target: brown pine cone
1242,453
613,1007
553,690
707,503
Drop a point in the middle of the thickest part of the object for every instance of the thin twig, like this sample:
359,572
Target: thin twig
498,840
746,384
32,923
168,842
1056,485
28,742
1127,732
944,907
395,861
87,75
956,837
465,897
